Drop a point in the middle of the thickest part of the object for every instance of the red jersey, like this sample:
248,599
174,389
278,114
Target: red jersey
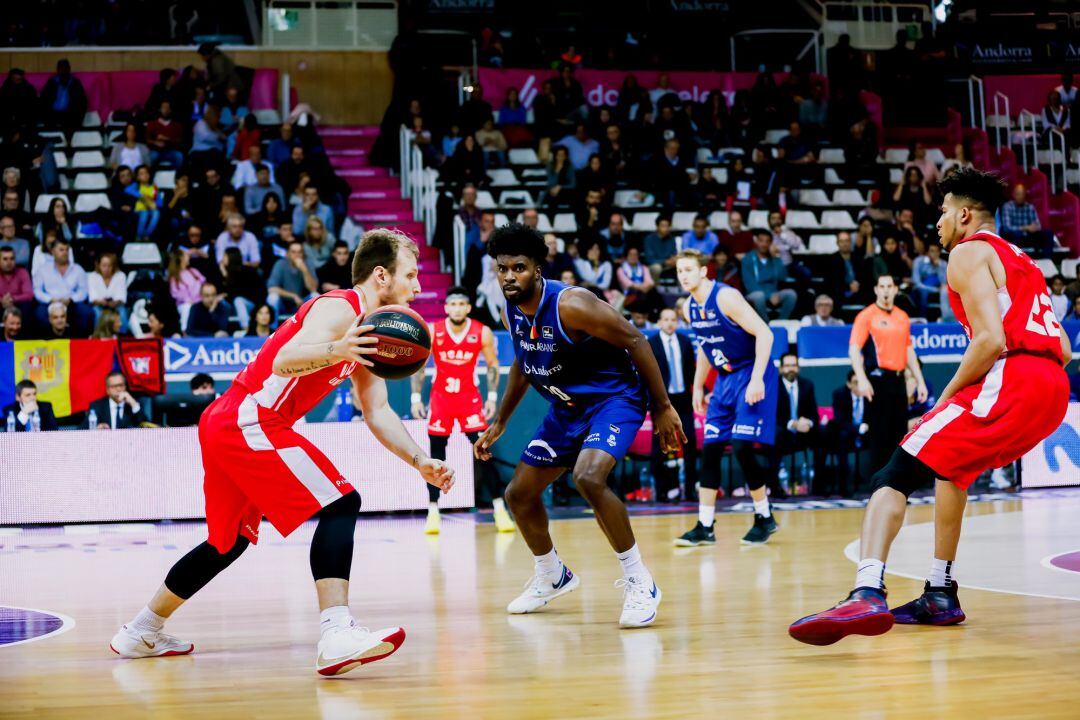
292,397
455,395
1026,313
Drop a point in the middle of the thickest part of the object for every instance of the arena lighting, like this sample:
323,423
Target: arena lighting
468,88
941,12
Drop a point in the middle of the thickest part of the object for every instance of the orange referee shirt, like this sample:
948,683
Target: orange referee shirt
890,335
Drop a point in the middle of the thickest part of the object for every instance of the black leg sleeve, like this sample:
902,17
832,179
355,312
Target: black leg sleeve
438,451
332,543
711,469
193,571
755,465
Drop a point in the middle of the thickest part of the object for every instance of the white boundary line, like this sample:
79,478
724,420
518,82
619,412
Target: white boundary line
67,624
1045,562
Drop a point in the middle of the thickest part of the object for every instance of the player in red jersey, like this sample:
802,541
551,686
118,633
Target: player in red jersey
1009,393
256,464
457,344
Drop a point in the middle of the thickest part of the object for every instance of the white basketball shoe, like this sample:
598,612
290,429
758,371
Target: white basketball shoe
542,589
641,598
131,642
346,648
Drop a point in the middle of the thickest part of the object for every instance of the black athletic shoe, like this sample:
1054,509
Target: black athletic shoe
760,532
936,606
700,535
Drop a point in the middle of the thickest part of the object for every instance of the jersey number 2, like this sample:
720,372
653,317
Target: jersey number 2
1043,321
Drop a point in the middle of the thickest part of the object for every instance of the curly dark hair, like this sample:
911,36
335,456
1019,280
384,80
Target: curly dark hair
517,239
985,190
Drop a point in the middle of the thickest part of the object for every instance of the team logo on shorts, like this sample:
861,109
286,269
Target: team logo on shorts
437,425
614,429
543,446
611,440
595,437
547,332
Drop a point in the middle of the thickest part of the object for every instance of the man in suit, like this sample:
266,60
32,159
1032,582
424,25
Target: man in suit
677,360
848,428
797,420
117,410
30,414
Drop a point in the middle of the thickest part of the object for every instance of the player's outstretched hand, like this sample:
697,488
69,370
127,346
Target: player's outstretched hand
437,473
419,410
699,401
482,448
355,344
489,409
755,392
668,426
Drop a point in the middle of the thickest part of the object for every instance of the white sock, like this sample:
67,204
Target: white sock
334,617
941,573
632,565
871,574
433,506
706,515
761,507
497,505
548,564
148,620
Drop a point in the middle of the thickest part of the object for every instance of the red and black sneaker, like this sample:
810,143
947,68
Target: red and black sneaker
863,612
936,606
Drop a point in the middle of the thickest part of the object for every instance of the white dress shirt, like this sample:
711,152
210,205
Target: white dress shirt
676,381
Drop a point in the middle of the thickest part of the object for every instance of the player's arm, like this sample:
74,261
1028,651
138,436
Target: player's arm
970,276
584,312
860,333
701,373
418,409
920,383
516,385
388,429
734,305
330,334
1066,347
491,362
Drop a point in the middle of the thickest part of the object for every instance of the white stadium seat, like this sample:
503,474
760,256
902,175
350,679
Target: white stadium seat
267,117
832,156
87,139
683,220
91,120
165,179
91,181
1049,269
88,159
55,137
41,205
774,136
89,202
523,156
484,200
895,156
837,220
757,219
502,177
849,197
516,198
61,160
896,176
936,156
1068,268
822,244
801,220
831,178
633,199
642,222
706,157
565,223
998,121
719,220
141,253
814,197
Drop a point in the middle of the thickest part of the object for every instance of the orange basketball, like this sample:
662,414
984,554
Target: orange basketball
404,341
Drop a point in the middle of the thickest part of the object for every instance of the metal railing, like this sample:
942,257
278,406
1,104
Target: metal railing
417,182
974,81
1056,134
814,43
459,248
1025,115
872,25
1004,99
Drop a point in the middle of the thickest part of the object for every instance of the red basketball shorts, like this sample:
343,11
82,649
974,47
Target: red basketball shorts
255,464
446,409
992,423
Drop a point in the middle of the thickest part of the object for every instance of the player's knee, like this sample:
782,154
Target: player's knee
519,494
903,473
591,481
348,505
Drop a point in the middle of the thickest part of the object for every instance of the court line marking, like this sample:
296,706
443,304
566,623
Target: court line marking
67,623
1045,562
851,553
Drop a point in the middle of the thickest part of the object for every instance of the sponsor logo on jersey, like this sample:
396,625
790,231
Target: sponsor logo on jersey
536,346
614,429
471,339
611,441
595,437
539,369
548,332
543,446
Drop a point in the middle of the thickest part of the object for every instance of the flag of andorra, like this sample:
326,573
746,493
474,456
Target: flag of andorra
70,374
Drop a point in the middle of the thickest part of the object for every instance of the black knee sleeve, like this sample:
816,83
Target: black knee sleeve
438,451
191,573
755,471
332,543
904,473
712,455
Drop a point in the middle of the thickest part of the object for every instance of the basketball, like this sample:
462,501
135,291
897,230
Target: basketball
404,341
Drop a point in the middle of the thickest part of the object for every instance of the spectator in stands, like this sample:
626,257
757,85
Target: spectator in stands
185,282
615,237
580,146
1072,290
467,209
637,284
207,141
667,176
109,326
241,284
202,384
929,279
762,273
318,241
570,97
292,281
57,219
148,201
1066,89
556,262
660,247
262,322
29,413
12,180
913,193
64,282
107,287
198,106
235,236
794,148
118,410
198,249
814,113
63,100
261,187
593,268
165,90
179,207
530,218
246,174
822,315
18,102
12,323
1058,300
233,110
279,150
842,271
860,151
221,71
1020,223
19,247
737,238
798,421
128,150
123,201
768,178
58,328
907,234
1074,314
917,158
336,273
723,269
12,207
561,178
1055,116
616,155
864,238
709,194
700,238
893,260
513,118
848,428
786,242
210,316
595,176
493,144
958,160
474,111
161,322
16,289
466,165
547,123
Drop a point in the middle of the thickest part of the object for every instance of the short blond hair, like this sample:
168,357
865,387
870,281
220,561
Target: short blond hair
379,248
695,255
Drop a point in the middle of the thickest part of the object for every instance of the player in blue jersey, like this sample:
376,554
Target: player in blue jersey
732,338
594,368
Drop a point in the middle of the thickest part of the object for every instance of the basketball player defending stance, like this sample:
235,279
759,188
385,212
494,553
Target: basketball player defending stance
456,344
590,364
256,464
734,339
1009,393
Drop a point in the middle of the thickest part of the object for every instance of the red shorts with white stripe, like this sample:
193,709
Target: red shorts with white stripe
255,464
990,424
466,410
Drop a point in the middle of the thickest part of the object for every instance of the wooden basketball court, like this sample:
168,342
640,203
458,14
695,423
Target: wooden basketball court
719,649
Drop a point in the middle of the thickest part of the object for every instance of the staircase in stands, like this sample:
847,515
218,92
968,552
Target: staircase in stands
375,201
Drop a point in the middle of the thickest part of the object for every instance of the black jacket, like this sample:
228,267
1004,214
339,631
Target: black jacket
130,419
843,411
808,407
689,359
45,413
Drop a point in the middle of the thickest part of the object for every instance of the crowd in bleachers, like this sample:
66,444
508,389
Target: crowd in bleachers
193,214
785,185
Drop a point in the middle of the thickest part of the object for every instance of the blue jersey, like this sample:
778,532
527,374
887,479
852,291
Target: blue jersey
568,374
727,346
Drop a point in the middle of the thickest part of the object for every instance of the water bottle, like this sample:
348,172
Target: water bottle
11,421
91,419
35,421
782,477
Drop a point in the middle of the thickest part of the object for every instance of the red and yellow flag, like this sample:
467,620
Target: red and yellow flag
70,374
